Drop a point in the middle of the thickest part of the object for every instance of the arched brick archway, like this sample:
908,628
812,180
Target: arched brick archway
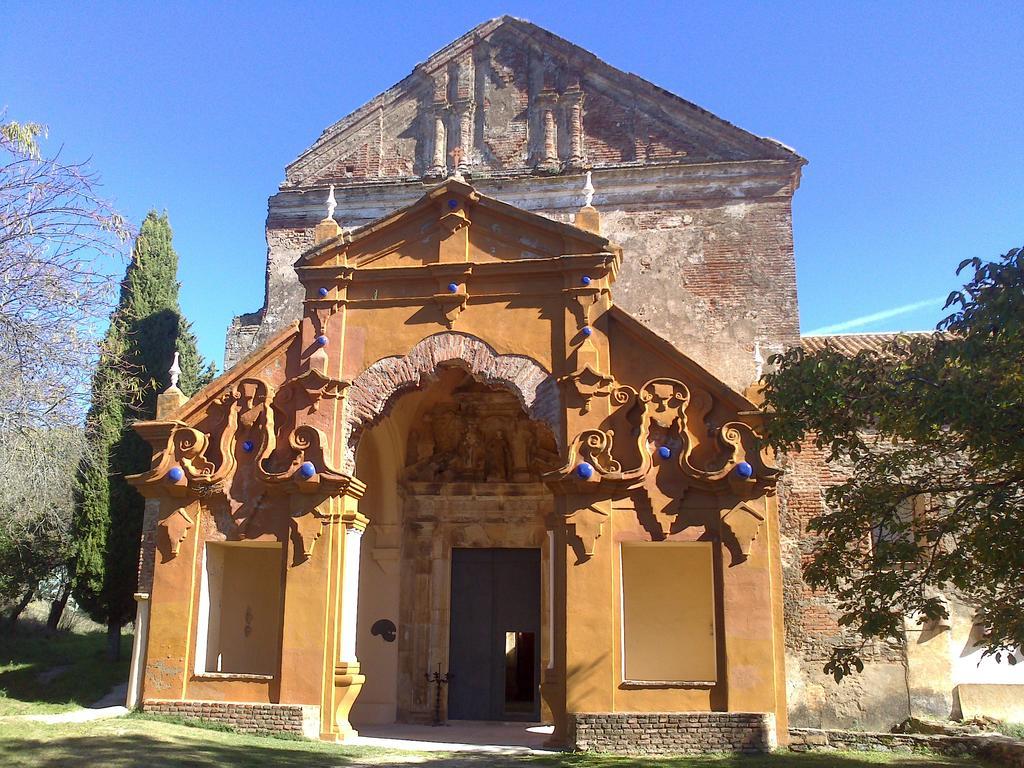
375,389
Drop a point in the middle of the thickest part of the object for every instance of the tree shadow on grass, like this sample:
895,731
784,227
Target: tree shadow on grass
125,750
781,759
60,668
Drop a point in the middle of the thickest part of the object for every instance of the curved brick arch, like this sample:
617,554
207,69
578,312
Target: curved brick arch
372,392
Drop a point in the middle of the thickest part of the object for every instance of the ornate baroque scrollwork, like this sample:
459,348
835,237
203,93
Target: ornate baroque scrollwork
660,411
669,421
199,463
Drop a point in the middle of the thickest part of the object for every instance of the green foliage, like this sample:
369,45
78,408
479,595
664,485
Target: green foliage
934,421
36,507
23,136
145,331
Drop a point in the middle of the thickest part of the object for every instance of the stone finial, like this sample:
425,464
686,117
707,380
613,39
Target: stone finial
588,218
175,372
588,192
332,204
328,227
758,361
172,398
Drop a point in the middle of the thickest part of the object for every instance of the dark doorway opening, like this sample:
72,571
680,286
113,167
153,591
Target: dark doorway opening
494,651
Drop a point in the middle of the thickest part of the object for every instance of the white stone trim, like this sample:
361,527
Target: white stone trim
349,594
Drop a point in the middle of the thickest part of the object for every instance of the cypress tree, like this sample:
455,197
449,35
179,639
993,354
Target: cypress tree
146,329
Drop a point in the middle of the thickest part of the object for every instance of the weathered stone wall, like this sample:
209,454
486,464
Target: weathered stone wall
998,749
295,719
672,733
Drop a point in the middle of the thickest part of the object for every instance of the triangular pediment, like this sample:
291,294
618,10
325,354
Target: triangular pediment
453,223
509,98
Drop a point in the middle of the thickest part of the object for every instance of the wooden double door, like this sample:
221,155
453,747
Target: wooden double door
494,641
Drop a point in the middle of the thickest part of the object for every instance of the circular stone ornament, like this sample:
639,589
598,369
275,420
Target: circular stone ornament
584,470
176,474
307,470
322,341
744,470
323,292
665,452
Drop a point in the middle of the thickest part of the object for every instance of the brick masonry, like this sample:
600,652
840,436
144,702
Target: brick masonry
998,749
374,389
294,719
672,733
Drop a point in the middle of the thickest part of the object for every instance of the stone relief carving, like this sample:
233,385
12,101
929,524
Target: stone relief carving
373,390
483,435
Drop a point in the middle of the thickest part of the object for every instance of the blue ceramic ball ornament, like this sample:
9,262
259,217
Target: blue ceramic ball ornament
321,340
587,330
307,470
453,287
322,292
247,446
585,279
453,204
175,474
665,452
585,471
744,470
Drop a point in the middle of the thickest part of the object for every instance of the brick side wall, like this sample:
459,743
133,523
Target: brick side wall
295,719
875,699
667,733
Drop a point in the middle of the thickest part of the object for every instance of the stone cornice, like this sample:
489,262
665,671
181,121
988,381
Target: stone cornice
623,187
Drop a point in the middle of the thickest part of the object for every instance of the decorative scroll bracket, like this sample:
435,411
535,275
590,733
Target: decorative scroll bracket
740,526
587,383
585,526
175,527
451,305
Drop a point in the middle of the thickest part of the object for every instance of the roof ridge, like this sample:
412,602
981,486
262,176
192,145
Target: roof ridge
860,333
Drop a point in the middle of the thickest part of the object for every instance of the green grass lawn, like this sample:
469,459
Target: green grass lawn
137,741
42,673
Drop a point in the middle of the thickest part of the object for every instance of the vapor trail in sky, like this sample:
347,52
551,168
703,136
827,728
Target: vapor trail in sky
874,317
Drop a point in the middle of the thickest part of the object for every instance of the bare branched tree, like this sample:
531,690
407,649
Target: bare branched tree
59,242
61,246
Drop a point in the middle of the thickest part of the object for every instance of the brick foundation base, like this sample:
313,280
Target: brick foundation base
297,719
668,733
998,749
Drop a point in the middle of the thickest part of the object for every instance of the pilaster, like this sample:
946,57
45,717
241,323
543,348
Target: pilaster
546,102
573,101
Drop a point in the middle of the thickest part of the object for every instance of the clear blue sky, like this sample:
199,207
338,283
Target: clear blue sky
910,115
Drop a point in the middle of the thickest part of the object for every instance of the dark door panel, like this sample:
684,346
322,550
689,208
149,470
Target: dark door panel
494,656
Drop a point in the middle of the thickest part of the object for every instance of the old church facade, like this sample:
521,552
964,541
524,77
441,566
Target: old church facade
497,421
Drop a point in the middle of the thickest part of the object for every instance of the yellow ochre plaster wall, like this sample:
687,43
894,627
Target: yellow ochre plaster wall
303,446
